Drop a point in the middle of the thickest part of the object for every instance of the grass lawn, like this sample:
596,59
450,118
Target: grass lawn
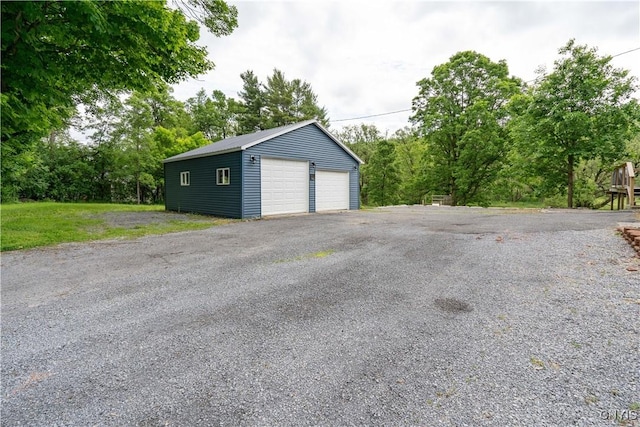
30,225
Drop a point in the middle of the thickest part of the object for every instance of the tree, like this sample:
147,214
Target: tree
57,54
215,117
410,150
252,104
220,18
279,102
129,140
152,126
362,140
383,180
305,103
278,95
137,125
582,110
461,115
288,102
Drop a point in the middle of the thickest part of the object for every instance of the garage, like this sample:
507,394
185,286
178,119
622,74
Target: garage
284,186
332,190
295,168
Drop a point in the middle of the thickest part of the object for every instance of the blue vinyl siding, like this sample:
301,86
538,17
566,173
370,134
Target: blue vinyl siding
203,195
242,197
308,144
250,186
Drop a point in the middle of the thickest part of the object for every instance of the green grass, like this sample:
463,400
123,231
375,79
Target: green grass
320,254
519,205
30,225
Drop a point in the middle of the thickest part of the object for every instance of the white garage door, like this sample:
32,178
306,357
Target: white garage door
332,190
284,186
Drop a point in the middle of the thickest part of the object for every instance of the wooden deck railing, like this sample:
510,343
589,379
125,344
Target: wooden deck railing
440,199
623,185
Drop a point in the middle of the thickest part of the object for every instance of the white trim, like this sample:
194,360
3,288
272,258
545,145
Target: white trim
223,176
277,134
301,125
185,179
344,147
332,190
267,138
284,186
197,156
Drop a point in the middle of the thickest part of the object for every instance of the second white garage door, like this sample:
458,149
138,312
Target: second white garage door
284,186
332,190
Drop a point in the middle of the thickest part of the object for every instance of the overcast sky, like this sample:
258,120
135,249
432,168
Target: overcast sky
365,57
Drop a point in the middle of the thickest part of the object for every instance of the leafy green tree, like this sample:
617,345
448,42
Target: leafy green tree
632,152
60,169
56,54
166,111
582,110
101,122
362,140
410,151
215,117
383,180
137,125
460,112
515,181
220,18
167,143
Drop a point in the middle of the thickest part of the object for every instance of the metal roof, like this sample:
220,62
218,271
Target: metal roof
242,142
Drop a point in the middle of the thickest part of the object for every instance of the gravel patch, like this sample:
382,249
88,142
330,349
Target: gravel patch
412,316
137,219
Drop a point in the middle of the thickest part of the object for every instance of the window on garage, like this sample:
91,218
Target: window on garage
223,176
185,178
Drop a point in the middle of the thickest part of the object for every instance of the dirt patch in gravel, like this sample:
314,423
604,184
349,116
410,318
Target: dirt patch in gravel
137,219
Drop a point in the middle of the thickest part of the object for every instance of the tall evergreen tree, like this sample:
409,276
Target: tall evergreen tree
277,103
216,116
252,103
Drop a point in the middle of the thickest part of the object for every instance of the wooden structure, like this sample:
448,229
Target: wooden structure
439,200
623,186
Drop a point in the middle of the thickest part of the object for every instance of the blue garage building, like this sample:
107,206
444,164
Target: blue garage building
291,169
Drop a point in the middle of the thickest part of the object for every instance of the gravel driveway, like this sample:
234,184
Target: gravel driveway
399,316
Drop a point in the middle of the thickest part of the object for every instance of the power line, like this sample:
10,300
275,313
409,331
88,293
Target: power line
623,53
409,109
372,115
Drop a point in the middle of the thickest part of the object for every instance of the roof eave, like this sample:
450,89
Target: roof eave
197,156
275,135
266,138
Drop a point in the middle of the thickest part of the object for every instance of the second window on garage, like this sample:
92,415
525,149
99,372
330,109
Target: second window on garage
223,176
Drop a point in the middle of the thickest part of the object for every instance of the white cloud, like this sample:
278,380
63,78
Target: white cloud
364,58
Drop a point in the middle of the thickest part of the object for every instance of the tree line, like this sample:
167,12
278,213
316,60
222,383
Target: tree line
121,161
476,133
480,135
